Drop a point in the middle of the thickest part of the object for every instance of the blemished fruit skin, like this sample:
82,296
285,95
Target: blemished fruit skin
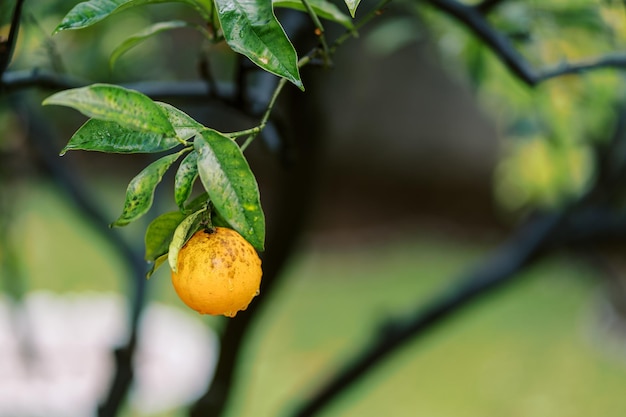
218,272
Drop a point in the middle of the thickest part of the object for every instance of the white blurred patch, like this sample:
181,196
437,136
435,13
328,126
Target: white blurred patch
56,355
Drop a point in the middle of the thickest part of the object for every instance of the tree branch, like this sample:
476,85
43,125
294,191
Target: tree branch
42,138
287,211
500,268
472,17
8,46
185,90
486,6
591,219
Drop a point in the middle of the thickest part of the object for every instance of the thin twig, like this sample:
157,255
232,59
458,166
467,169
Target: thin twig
376,11
605,61
320,32
306,60
270,106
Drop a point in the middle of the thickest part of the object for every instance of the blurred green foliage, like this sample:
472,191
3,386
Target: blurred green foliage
550,131
85,54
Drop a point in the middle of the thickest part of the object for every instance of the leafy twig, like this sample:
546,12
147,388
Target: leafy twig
376,11
270,106
306,60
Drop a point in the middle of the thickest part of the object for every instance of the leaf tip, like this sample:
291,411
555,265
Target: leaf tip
172,260
298,83
118,223
151,271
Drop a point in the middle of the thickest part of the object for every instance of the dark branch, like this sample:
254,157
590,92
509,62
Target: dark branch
473,19
500,268
605,61
296,172
486,6
580,227
589,220
43,140
8,46
189,90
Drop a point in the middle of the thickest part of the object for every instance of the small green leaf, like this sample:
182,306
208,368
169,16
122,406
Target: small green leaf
87,13
183,232
185,177
140,191
128,108
143,35
232,188
159,234
103,136
156,264
352,6
322,8
184,125
251,29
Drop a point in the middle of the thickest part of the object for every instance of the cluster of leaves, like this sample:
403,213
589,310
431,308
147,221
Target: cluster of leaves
552,129
126,121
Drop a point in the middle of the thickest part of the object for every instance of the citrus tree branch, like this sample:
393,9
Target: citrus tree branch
473,18
580,226
13,81
42,138
288,212
8,47
499,269
486,6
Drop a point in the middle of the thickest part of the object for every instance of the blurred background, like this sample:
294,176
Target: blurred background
431,153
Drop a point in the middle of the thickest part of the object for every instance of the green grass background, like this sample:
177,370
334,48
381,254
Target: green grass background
531,350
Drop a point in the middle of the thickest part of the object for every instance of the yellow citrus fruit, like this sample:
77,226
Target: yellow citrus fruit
218,272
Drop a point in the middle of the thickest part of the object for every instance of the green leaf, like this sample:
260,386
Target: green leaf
156,264
184,125
322,8
129,108
251,29
232,188
140,191
90,12
183,232
159,234
185,177
145,34
103,136
352,6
